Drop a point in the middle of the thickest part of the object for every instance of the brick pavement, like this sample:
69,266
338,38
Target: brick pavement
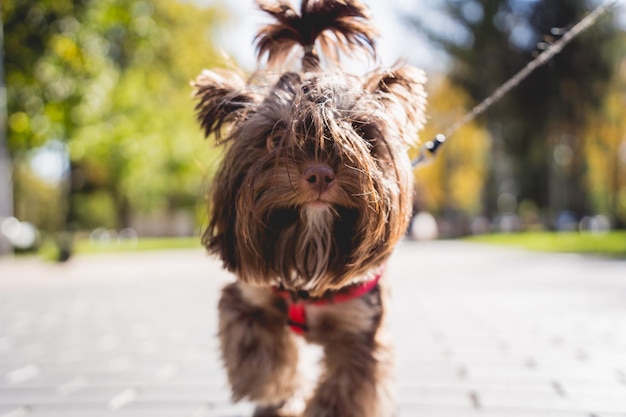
480,332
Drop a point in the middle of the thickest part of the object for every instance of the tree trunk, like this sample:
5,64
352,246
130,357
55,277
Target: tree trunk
6,181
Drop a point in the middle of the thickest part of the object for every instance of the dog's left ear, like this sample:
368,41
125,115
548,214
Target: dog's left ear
224,99
401,91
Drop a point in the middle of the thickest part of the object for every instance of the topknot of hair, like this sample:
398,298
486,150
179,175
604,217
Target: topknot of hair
331,27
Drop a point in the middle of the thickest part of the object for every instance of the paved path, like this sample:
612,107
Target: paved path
480,332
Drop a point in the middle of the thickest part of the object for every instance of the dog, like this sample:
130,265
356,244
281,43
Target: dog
313,193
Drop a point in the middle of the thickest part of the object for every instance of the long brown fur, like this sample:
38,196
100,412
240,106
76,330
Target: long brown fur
337,26
312,196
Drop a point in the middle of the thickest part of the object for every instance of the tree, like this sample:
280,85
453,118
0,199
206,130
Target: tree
605,145
110,80
538,128
145,124
577,82
6,181
453,185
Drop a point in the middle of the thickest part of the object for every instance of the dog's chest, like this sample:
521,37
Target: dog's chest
355,309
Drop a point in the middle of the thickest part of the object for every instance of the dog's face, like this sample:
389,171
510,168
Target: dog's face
316,186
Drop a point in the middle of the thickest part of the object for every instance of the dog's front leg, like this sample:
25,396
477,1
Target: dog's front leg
258,349
357,380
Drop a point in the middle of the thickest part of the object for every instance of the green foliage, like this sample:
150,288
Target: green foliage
110,78
96,209
540,129
36,199
41,65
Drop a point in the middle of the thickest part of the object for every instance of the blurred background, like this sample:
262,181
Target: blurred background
98,141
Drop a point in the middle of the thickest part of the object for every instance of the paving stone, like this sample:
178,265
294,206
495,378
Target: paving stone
452,411
410,396
480,331
16,412
27,395
185,393
76,411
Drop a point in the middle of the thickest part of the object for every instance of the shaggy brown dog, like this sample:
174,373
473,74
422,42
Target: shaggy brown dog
313,194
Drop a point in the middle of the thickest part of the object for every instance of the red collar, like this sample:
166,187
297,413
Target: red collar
296,304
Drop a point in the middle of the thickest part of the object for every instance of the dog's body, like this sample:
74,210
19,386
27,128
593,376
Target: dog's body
313,194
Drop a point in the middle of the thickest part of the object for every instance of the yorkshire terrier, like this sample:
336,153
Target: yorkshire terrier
313,193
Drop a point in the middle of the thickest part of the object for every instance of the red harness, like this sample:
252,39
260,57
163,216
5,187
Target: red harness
296,312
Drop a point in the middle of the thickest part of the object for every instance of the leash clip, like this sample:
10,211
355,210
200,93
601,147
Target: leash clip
428,151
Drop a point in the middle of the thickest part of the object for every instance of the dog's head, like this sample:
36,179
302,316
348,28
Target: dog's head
315,188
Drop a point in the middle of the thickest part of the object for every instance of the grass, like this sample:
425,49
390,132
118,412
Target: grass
607,244
49,250
612,244
143,244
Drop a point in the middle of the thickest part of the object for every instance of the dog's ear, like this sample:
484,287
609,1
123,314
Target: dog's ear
401,91
219,237
223,99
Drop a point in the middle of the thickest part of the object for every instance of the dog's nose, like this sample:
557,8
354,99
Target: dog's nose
319,177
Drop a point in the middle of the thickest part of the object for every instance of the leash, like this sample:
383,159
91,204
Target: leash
427,152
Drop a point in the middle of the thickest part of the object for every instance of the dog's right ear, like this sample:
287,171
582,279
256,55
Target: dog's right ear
224,100
401,91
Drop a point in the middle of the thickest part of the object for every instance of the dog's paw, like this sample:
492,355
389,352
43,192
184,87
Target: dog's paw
290,408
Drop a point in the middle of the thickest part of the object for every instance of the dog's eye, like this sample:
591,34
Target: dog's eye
272,141
370,140
368,132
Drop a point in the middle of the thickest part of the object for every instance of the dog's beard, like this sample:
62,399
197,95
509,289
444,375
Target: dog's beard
282,233
310,241
316,242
